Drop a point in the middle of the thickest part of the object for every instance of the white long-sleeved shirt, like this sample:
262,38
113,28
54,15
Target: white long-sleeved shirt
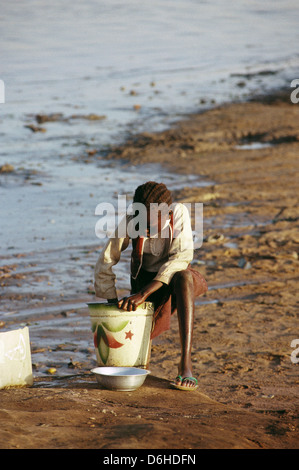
161,255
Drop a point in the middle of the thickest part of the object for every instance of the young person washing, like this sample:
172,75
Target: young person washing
160,270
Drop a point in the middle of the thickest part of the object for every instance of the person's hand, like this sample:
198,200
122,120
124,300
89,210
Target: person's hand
131,302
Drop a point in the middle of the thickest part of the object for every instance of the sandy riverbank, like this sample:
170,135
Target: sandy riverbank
248,396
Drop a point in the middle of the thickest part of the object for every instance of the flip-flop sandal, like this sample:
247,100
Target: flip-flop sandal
181,386
180,378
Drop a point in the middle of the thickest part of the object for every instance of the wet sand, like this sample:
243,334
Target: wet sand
248,394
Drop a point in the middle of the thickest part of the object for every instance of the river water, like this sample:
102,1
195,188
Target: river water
135,66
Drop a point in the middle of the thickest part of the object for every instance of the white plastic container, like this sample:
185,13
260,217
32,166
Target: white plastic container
121,338
15,358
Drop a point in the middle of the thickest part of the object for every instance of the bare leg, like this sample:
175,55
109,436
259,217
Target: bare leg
182,285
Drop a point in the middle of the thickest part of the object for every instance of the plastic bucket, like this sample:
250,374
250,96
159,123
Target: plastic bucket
121,338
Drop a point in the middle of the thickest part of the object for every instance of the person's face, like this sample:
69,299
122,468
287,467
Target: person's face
156,220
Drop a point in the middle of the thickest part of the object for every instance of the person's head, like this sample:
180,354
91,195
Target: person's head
152,195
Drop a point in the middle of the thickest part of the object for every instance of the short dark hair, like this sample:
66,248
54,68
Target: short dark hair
152,192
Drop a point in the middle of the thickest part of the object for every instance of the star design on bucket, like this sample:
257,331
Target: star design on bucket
129,334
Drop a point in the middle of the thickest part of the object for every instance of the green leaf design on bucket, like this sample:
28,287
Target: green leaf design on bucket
117,328
103,350
104,340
